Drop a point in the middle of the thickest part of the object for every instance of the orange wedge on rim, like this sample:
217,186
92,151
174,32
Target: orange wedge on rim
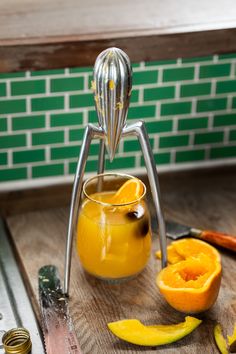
129,192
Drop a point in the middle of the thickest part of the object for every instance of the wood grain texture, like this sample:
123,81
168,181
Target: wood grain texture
30,22
55,34
199,199
75,52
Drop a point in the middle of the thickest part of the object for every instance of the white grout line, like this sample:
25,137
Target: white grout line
48,154
232,70
28,140
47,124
226,135
229,101
8,89
196,73
137,161
191,139
156,142
66,167
177,91
215,58
179,62
66,136
210,122
213,88
47,87
67,72
142,65
9,125
141,95
87,84
175,125
10,158
157,112
28,105
160,76
29,172
194,106
66,102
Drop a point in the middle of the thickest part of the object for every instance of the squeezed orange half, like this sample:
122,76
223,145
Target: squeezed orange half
191,281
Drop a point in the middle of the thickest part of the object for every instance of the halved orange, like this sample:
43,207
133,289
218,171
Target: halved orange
130,191
189,247
191,285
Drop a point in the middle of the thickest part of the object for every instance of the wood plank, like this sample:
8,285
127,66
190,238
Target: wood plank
140,48
30,22
54,34
199,199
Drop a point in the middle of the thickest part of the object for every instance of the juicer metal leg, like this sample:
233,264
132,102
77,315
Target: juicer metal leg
139,130
101,158
75,199
101,164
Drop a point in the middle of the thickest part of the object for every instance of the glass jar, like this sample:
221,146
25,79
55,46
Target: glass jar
113,240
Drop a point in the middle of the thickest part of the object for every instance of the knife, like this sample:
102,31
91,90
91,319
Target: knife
58,330
175,230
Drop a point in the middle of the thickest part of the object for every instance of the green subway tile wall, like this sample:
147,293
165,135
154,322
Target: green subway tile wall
188,105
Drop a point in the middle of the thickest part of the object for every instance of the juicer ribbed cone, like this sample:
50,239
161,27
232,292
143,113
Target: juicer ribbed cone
112,89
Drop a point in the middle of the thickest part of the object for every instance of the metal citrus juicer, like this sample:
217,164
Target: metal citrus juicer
112,86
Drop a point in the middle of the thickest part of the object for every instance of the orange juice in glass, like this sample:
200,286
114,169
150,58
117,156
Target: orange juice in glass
113,230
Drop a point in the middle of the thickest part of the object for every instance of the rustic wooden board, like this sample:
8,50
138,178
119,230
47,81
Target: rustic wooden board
204,199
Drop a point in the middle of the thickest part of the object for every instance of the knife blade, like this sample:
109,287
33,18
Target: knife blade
176,230
58,330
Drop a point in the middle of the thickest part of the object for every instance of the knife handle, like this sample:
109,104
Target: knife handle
219,239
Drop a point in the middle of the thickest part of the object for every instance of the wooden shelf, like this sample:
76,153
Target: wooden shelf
53,33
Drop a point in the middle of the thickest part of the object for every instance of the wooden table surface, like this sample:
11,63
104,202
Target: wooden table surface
56,34
205,199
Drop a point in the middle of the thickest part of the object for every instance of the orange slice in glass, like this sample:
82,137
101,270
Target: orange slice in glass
129,192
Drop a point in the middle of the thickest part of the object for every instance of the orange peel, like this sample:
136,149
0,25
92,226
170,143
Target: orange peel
133,331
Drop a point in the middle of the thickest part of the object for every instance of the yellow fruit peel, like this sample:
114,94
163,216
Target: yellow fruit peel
232,341
219,339
133,331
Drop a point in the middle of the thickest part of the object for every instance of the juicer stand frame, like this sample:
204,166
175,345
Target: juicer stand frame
137,129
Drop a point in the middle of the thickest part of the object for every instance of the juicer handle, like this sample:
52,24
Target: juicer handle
219,239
